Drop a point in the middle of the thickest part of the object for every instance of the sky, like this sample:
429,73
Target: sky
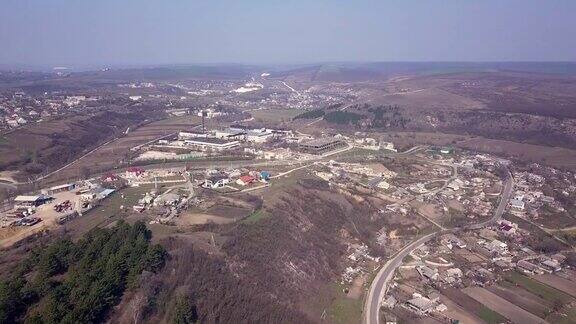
148,32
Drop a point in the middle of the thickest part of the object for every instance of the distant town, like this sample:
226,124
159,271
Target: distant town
340,199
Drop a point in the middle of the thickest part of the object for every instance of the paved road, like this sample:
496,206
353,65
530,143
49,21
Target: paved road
504,198
379,285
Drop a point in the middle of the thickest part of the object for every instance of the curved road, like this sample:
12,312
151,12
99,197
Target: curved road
379,285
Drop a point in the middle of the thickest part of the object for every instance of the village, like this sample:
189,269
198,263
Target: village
470,269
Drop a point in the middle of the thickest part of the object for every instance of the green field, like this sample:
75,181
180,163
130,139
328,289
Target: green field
343,309
108,211
490,316
255,216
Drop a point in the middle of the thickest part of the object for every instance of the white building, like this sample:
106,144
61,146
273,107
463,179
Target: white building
210,143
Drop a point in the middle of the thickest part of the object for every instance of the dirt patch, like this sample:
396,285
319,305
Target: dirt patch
9,231
469,256
455,204
229,212
356,290
199,218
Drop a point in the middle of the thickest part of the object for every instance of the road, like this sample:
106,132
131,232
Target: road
379,286
504,198
289,87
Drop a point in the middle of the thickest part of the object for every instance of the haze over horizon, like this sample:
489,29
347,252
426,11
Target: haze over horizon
91,33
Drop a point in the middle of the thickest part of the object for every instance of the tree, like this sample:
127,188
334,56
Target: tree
184,311
136,305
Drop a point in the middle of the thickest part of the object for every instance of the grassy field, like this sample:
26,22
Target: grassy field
489,316
344,310
281,184
108,211
255,216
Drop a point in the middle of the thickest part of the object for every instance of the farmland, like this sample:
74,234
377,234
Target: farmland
502,306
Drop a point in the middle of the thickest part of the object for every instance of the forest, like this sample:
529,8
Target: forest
79,282
311,114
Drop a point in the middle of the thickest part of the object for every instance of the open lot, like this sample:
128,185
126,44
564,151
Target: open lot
199,218
45,213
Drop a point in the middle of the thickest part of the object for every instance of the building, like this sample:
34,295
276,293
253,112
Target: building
216,182
31,201
259,135
167,199
421,305
109,177
245,180
427,272
517,204
507,228
230,134
322,145
497,247
60,188
264,175
528,267
96,193
211,143
134,172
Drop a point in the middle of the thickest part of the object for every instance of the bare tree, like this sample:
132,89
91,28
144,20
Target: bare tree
137,303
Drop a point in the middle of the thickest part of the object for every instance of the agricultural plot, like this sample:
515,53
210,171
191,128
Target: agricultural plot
565,285
473,306
541,290
502,306
523,299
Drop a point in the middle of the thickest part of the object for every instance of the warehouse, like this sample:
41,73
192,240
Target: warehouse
31,201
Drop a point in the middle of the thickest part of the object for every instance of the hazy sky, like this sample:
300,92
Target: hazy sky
87,32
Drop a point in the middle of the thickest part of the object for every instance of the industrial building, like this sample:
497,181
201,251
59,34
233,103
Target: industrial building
322,145
209,143
31,201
